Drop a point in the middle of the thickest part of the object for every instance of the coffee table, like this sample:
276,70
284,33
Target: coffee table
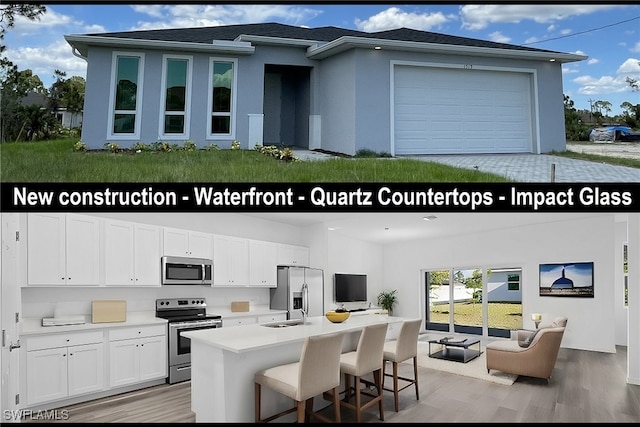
457,350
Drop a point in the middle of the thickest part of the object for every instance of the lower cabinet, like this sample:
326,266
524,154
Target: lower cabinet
59,366
56,373
137,354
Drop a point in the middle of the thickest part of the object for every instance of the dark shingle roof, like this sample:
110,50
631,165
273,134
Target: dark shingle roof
323,34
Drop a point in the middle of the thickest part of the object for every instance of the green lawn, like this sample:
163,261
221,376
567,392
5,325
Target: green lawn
501,315
56,161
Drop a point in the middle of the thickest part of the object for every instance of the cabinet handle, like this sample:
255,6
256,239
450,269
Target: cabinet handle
63,355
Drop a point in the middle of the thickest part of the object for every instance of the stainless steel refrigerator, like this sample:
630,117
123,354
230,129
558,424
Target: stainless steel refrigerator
299,288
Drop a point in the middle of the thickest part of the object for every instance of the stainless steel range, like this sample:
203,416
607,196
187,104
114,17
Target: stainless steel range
183,314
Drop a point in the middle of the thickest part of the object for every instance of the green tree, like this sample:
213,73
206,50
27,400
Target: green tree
631,114
575,130
67,93
15,84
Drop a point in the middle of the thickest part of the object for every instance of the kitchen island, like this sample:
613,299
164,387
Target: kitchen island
225,360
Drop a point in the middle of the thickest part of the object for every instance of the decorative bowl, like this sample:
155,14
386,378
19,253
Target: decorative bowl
337,317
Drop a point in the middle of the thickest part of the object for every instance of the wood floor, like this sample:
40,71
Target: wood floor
586,387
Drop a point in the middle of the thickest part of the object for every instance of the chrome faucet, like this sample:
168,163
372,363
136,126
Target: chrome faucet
304,315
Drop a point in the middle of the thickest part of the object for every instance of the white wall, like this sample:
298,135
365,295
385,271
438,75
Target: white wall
591,324
348,255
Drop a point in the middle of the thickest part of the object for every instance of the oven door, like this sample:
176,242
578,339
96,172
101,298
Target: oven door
180,346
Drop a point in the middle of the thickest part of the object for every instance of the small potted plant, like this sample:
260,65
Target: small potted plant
386,300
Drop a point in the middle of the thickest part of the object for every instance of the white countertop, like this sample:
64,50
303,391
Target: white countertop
33,325
243,338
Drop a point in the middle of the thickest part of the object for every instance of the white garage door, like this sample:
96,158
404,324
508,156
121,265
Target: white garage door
454,111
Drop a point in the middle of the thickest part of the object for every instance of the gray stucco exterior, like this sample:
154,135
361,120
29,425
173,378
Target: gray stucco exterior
335,95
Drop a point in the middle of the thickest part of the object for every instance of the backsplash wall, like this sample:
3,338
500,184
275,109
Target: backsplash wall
64,301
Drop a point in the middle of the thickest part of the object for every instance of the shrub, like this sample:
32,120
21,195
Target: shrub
79,146
139,146
212,147
189,146
112,146
365,152
235,144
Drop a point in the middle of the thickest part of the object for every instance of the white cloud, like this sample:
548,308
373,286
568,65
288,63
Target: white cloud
23,26
630,66
569,70
636,47
42,61
593,61
497,36
531,40
194,15
610,84
565,32
396,18
477,17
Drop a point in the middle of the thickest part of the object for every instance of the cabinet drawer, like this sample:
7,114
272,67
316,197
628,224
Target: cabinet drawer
138,332
64,340
237,321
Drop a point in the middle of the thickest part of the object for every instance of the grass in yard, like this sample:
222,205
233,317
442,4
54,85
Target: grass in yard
501,315
610,160
55,161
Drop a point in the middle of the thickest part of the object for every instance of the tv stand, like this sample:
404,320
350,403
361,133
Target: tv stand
357,309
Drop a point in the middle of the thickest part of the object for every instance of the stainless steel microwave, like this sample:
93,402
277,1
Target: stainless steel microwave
186,271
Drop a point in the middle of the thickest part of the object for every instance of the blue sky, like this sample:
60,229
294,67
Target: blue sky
608,34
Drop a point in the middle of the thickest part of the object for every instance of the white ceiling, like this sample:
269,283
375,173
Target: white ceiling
394,227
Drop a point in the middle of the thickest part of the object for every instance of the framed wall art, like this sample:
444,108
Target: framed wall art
570,279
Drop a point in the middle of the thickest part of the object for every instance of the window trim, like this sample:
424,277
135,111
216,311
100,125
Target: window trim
187,100
234,93
112,96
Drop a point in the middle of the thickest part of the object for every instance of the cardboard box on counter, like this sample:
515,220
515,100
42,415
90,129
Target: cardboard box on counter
108,311
239,306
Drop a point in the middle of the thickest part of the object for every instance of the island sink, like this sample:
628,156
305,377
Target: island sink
284,324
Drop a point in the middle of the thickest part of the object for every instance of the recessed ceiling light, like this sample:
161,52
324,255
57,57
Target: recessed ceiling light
377,47
430,217
332,228
552,60
386,228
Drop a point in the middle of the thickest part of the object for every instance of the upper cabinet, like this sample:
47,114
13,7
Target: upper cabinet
293,255
263,265
132,254
63,249
187,243
230,261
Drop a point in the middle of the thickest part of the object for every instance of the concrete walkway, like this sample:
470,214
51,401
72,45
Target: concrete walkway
522,167
538,167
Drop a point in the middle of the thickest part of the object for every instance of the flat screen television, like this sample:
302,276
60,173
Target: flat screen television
350,287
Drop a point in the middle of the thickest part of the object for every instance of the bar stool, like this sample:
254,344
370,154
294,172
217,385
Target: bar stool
318,371
396,351
367,358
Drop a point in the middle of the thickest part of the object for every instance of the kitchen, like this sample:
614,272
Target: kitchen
239,276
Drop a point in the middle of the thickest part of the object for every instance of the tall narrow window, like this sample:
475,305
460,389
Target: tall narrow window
175,116
221,101
126,90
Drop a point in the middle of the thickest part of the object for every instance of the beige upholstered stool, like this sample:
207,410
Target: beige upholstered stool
317,371
404,348
365,359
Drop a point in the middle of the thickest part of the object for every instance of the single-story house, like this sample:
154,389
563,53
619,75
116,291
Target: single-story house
67,118
400,91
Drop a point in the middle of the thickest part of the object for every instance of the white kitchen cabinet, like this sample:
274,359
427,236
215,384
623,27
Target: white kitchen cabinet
178,242
131,254
263,269
63,249
137,354
230,261
55,369
292,255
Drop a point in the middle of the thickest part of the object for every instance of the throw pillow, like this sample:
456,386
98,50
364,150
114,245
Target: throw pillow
527,341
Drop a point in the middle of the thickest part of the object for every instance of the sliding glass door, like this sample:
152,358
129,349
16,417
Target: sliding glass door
468,300
504,301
